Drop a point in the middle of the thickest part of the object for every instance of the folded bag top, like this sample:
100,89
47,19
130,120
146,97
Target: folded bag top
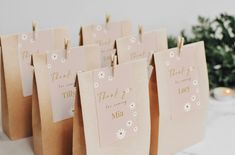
105,35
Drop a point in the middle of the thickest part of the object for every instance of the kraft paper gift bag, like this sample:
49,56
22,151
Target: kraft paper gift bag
17,75
105,35
143,46
183,93
112,115
54,95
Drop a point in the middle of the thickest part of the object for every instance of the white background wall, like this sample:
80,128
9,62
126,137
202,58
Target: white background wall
17,15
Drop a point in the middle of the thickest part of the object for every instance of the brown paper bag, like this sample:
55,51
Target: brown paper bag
143,46
105,35
16,77
112,114
54,94
183,94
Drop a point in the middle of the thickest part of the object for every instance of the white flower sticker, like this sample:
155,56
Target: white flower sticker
96,84
98,27
128,47
193,98
132,105
172,54
49,66
54,56
101,75
24,37
198,103
121,133
132,39
187,107
195,82
135,129
129,123
134,113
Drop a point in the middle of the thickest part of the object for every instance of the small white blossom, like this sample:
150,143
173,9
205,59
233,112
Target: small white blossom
187,107
129,123
121,133
98,27
101,75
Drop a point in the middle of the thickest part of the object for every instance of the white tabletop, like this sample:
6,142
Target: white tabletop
219,140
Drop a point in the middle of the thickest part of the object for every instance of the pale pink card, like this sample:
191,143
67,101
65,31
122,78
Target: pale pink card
141,46
26,47
62,71
105,35
116,105
183,83
183,93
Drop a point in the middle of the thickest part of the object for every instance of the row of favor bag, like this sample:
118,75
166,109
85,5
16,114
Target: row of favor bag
16,70
118,110
110,108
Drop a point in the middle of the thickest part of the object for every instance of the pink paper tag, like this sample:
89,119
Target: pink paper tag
183,82
62,72
115,104
105,36
141,48
26,47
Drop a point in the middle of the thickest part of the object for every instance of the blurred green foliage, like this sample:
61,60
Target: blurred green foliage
219,37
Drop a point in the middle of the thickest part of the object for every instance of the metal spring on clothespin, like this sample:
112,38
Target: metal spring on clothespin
141,31
180,44
107,20
66,47
34,29
114,63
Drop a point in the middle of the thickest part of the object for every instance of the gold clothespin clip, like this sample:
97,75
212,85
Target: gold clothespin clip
66,47
141,33
180,44
114,63
34,29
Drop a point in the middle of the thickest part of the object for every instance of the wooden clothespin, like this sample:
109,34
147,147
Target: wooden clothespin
114,63
180,44
107,20
67,45
141,31
34,29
